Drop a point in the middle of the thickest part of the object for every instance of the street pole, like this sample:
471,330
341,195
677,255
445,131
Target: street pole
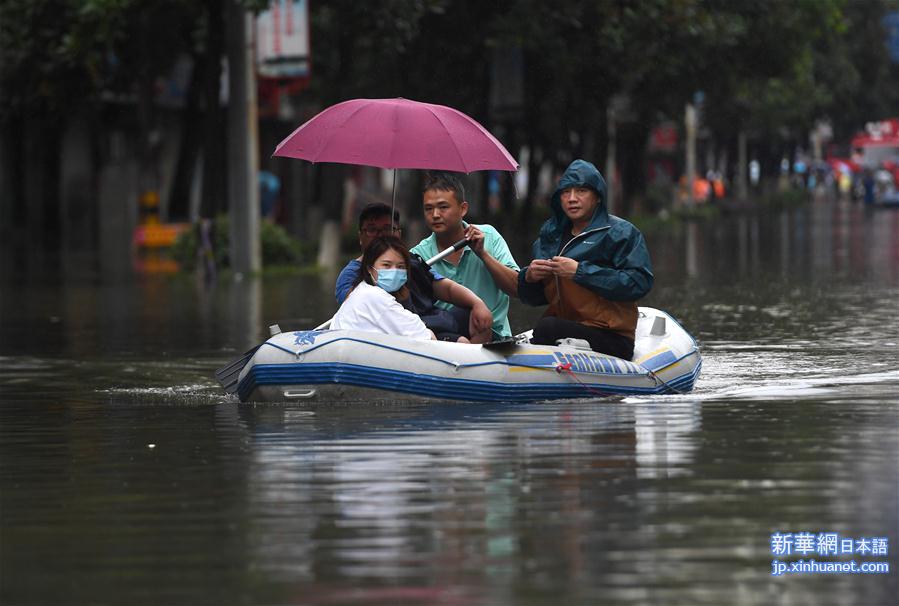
690,124
243,143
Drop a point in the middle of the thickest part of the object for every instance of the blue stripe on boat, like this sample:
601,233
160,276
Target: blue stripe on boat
532,359
438,387
660,361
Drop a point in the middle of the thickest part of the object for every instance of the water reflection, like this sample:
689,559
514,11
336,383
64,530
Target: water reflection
462,483
245,311
821,241
665,442
444,474
691,256
573,501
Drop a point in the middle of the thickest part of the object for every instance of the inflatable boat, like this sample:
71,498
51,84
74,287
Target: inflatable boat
347,365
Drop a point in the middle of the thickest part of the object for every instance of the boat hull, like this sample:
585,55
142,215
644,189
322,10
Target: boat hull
341,365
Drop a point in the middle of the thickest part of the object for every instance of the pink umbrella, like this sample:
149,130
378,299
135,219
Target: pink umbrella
397,133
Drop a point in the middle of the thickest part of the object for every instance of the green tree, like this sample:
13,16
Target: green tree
853,64
768,67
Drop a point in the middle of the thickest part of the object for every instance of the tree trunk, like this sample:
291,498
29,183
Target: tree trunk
214,168
535,162
189,146
41,191
243,151
148,140
632,165
12,189
612,184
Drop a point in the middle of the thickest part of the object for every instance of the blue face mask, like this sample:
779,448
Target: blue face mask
392,280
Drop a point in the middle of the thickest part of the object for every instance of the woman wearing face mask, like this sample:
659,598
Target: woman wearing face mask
374,303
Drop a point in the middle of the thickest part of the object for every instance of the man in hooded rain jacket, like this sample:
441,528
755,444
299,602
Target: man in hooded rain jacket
590,267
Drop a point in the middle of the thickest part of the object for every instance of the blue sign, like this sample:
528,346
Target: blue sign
891,25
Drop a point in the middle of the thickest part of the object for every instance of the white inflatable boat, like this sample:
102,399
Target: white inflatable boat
346,365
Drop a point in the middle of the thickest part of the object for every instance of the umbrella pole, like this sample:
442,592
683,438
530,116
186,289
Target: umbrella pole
393,203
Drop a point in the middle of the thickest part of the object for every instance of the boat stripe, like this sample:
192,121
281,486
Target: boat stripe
441,387
532,360
657,362
537,361
428,385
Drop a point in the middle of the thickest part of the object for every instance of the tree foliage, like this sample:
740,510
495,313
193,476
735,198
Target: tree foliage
59,53
767,66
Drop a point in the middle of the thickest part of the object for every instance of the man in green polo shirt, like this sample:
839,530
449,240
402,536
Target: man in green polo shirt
486,266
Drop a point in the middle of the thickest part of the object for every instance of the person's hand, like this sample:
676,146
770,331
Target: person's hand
480,319
475,239
480,323
538,270
563,267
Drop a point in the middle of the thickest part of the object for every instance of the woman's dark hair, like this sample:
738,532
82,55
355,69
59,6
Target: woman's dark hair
375,249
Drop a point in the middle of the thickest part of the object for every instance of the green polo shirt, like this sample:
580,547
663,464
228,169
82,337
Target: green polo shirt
473,274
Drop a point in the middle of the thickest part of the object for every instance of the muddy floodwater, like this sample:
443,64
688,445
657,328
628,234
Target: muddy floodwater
128,477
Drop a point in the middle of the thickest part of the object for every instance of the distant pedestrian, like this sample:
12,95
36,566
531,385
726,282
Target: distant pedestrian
269,189
868,184
755,172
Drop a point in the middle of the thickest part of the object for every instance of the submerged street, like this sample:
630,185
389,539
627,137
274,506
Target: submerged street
126,475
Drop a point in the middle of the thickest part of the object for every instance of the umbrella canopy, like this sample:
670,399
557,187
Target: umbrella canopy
397,133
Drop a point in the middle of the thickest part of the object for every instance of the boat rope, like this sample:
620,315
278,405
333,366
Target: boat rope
566,368
660,381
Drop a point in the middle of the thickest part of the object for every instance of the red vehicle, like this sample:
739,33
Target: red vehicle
877,151
878,146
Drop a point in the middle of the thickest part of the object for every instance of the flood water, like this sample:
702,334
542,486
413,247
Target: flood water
127,477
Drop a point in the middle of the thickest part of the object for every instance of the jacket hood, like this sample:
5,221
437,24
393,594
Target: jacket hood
581,173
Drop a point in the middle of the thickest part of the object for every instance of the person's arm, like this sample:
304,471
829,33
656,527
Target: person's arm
345,280
460,296
505,277
530,284
614,284
625,276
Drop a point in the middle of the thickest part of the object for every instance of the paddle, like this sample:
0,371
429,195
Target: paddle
503,343
439,256
228,374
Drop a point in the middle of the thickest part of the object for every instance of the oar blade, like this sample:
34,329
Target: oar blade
228,375
506,343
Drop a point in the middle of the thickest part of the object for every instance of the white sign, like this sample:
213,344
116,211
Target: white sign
879,130
282,40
